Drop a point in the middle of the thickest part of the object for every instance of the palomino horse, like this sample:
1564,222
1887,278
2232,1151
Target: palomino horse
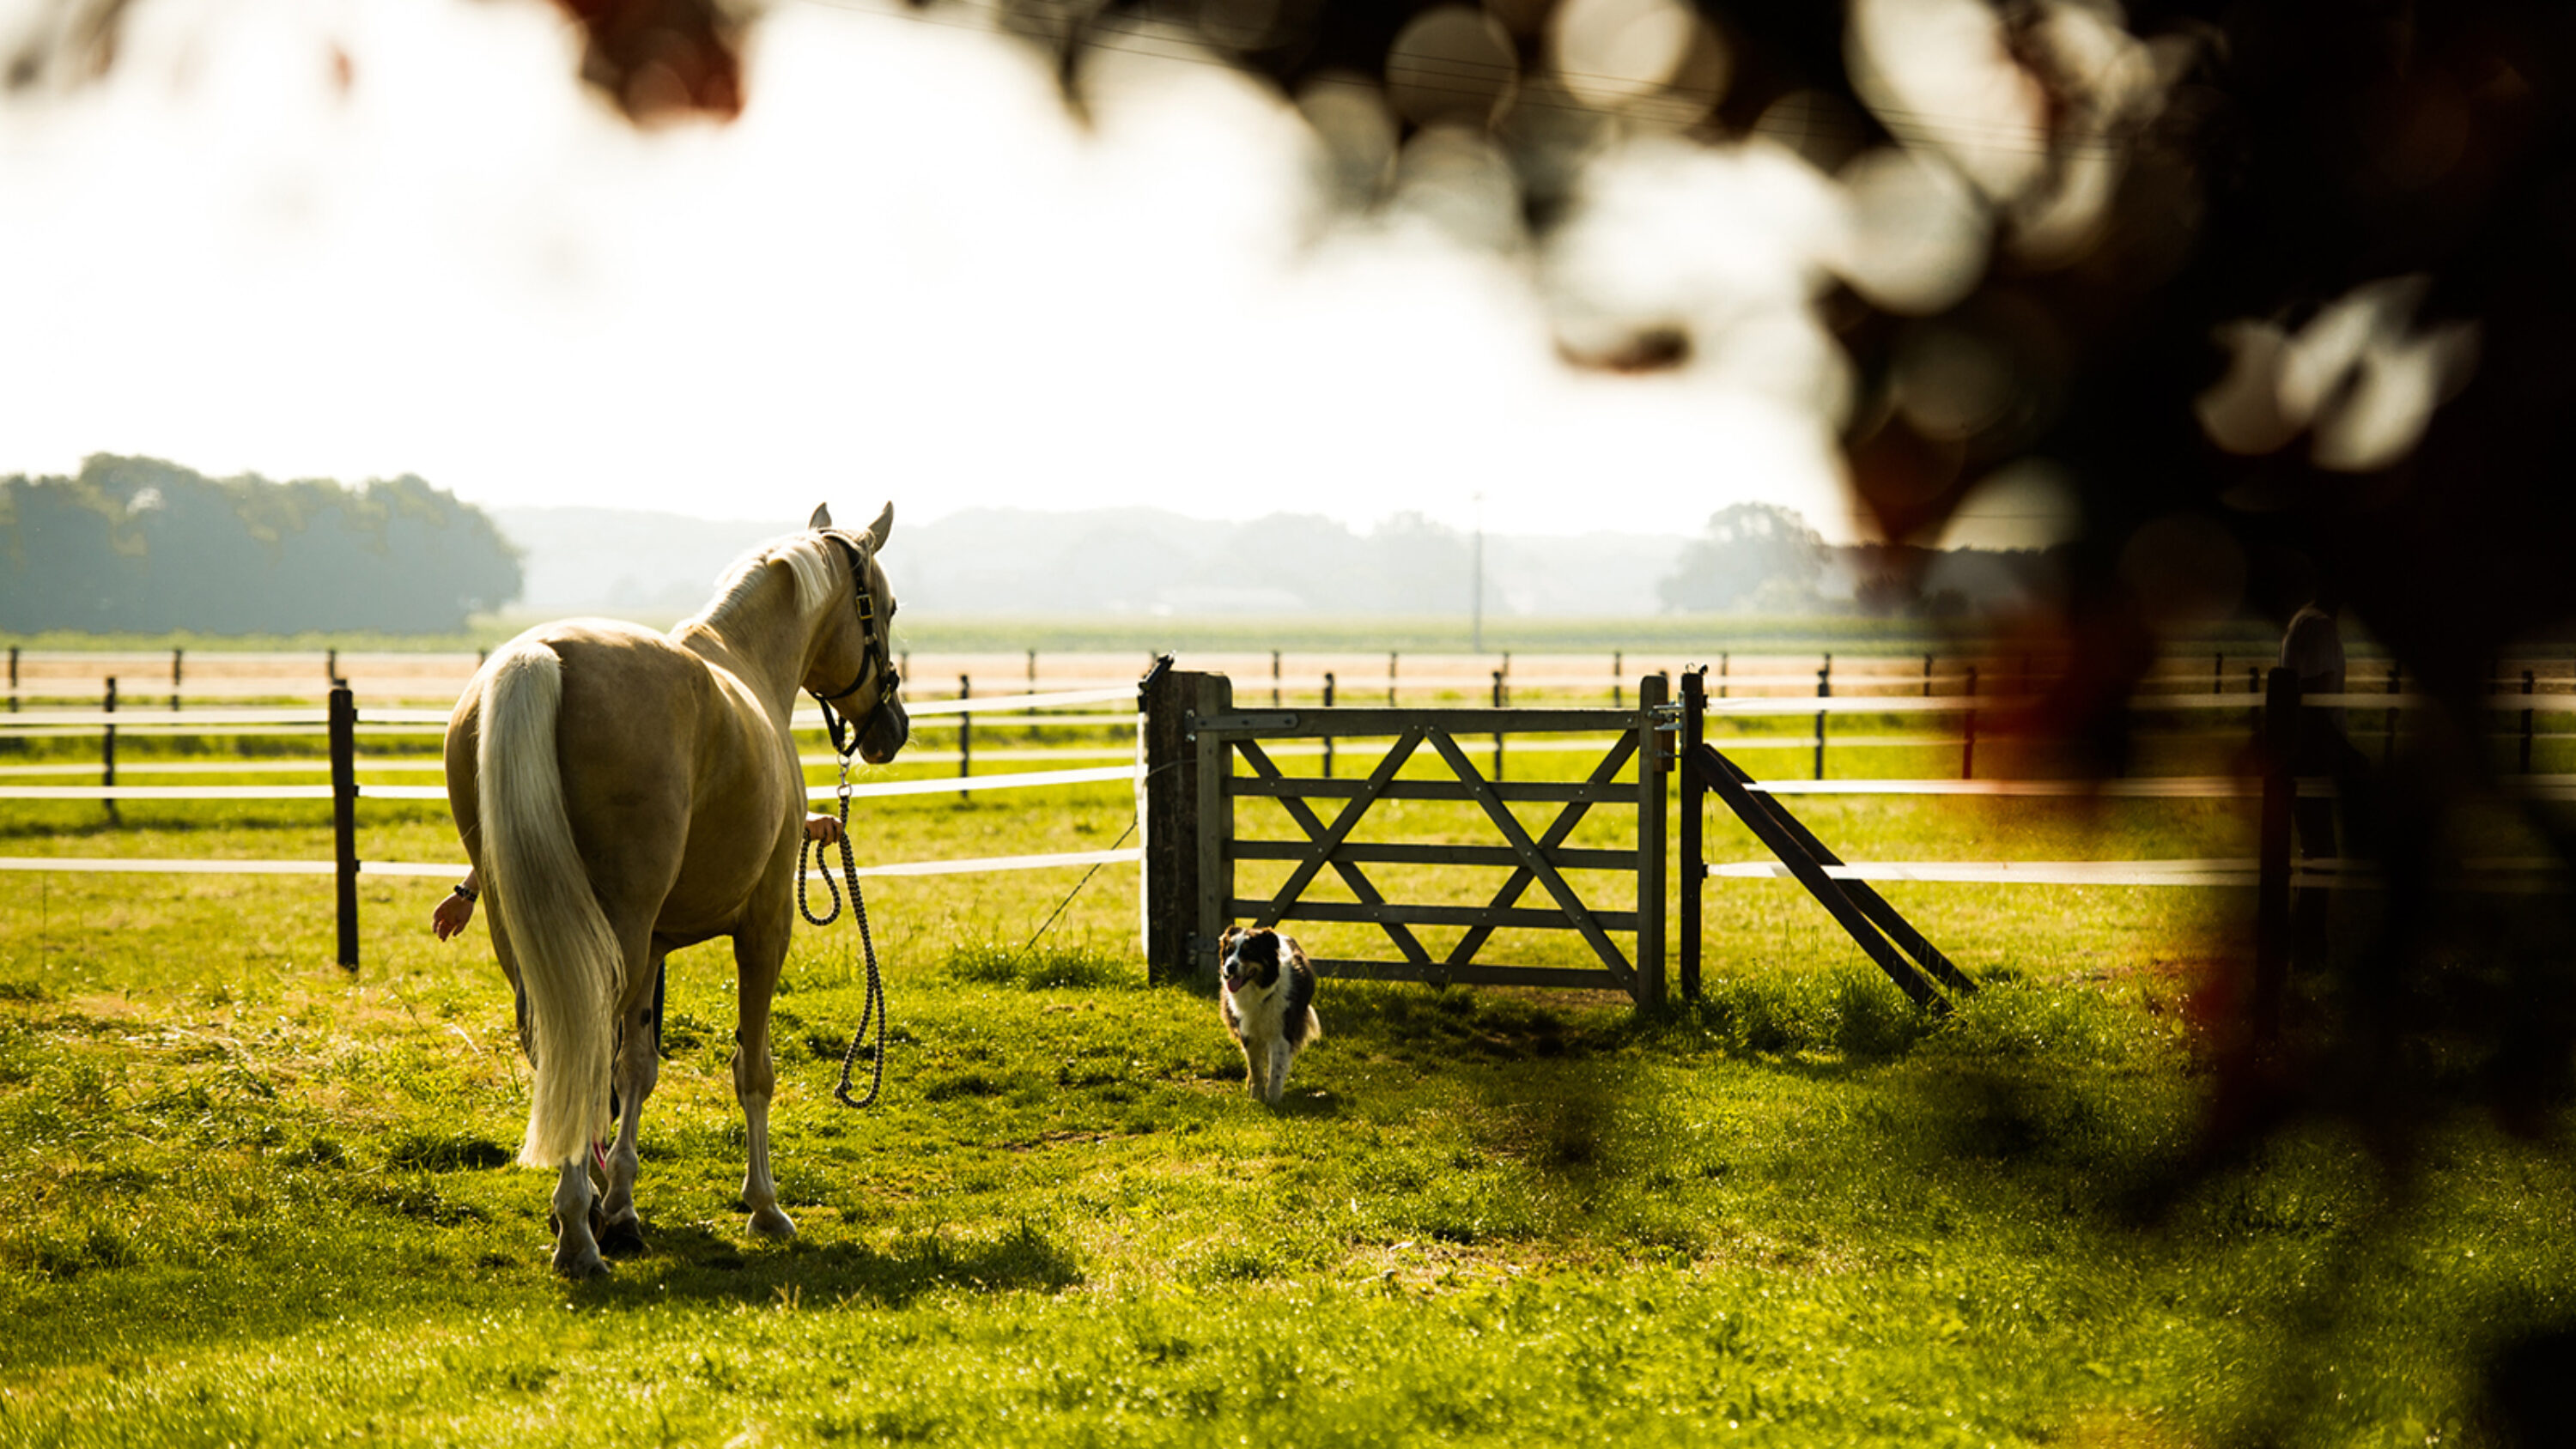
624,793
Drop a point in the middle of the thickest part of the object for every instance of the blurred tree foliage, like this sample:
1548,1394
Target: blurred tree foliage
1744,548
138,545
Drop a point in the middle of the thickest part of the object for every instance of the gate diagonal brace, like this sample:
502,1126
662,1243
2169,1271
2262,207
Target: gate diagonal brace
1860,910
1557,831
1351,874
1324,845
1864,895
1534,861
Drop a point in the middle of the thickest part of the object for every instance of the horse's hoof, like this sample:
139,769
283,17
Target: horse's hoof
580,1266
622,1236
769,1222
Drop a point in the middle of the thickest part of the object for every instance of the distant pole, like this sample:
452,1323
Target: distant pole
13,679
176,656
1721,674
1498,735
1032,710
331,665
1390,675
1618,688
1476,596
965,732
1274,679
1927,676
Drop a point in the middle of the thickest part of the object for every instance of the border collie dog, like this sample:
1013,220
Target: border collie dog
1266,1004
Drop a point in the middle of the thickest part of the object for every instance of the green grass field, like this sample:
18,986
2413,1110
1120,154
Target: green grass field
246,1197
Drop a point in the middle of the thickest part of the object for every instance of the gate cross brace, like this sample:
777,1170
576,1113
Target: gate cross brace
1719,774
1350,873
1555,835
1864,895
1534,861
1325,844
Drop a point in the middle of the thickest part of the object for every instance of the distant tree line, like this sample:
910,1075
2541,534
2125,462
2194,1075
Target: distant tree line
1761,558
138,545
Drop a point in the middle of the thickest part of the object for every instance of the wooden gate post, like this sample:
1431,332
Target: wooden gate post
1177,934
1654,762
344,818
2272,879
1694,798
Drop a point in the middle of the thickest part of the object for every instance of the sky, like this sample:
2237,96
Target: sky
902,274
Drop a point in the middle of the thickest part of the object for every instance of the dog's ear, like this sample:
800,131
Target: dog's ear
1225,943
1291,953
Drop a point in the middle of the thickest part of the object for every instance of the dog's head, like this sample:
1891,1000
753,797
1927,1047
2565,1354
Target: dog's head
1251,957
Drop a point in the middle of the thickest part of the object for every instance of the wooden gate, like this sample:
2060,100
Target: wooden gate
1195,735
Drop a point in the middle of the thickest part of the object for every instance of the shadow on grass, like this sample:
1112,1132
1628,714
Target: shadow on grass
695,1262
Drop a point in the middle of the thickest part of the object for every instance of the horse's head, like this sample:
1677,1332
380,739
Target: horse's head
853,670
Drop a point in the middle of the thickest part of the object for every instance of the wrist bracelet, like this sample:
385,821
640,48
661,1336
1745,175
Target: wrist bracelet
460,888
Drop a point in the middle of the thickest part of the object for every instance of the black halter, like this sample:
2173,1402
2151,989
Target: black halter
876,662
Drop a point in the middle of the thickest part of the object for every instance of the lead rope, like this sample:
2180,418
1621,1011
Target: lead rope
874,1009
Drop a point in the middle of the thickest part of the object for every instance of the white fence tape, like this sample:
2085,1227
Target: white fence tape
449,870
1016,780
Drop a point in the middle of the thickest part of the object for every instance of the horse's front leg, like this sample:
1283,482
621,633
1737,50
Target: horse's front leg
758,954
639,1066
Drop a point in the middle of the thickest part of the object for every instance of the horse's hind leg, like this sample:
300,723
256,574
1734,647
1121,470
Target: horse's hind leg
639,1066
757,960
576,1251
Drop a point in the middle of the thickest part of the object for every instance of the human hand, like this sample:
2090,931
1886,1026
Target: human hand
824,828
451,915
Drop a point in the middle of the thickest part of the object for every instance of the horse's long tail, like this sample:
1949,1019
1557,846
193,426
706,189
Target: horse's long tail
568,957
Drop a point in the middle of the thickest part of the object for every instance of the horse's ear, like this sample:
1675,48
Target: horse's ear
878,530
822,516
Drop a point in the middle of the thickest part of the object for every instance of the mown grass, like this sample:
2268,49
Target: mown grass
247,1197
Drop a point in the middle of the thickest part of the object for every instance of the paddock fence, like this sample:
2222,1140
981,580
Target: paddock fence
1189,846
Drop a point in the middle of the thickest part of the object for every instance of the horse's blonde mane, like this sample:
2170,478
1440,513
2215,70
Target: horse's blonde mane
807,556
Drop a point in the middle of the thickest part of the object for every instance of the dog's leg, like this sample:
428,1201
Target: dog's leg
1280,1055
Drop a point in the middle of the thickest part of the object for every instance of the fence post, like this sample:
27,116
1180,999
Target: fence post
1654,761
1721,675
176,655
1498,738
1174,821
1032,710
1328,739
1694,797
1927,676
2272,879
107,752
1274,679
1212,763
331,667
965,732
2526,725
1824,690
1618,679
13,679
1390,676
1968,736
344,818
